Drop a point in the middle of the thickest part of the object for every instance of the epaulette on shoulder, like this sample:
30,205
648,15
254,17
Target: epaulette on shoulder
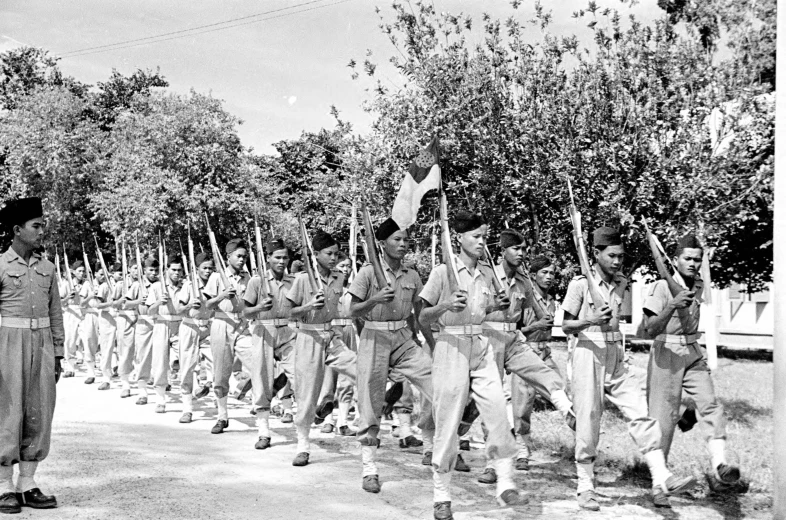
579,277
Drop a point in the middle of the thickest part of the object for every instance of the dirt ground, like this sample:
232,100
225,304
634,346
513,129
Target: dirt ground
112,459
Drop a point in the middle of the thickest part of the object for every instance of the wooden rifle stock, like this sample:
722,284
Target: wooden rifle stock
220,267
308,256
581,249
447,246
353,241
262,260
68,270
139,266
124,265
109,281
88,271
376,264
193,266
161,262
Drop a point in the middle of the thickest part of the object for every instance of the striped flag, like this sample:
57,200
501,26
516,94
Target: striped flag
424,175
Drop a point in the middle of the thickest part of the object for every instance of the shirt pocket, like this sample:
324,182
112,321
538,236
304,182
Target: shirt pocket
16,279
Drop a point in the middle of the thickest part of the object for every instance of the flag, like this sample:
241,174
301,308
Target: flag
424,175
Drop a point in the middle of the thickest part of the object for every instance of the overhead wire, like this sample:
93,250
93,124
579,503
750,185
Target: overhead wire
194,31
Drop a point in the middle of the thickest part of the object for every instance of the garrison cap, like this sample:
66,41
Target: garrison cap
151,261
322,240
689,241
606,236
235,244
174,259
386,229
201,258
18,211
464,221
274,245
117,266
538,263
509,238
76,265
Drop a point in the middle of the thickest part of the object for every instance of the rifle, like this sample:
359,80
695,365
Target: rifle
376,264
447,246
124,263
661,259
251,257
109,281
262,263
161,262
581,248
68,270
353,241
142,290
312,270
220,267
433,246
88,271
495,277
711,327
192,265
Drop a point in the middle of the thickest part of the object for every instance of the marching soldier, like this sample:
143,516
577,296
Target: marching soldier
273,335
678,364
109,297
464,363
89,297
597,370
143,333
125,321
318,342
388,342
31,348
72,315
193,337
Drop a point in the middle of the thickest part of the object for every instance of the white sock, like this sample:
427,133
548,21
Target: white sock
330,419
161,393
658,470
586,473
142,387
368,455
405,422
717,449
561,402
343,414
7,479
441,487
504,469
523,442
126,384
188,403
26,480
223,413
286,405
263,423
303,442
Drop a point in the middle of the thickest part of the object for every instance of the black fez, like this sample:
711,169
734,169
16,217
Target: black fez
689,241
509,238
235,244
18,211
386,229
464,221
117,266
538,263
151,262
274,245
322,240
76,265
174,259
606,236
201,258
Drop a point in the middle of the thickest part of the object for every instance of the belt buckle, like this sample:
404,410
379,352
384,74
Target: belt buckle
34,323
468,329
391,326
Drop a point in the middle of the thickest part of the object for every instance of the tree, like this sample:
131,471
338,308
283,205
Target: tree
25,69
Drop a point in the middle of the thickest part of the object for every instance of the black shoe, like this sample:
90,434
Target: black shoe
461,465
660,499
509,497
203,391
588,500
114,372
125,393
471,413
90,380
570,420
464,445
244,389
426,459
371,484
220,426
263,443
168,388
185,418
489,476
410,442
676,484
37,500
9,504
68,373
279,382
142,400
176,365
287,418
346,431
727,474
688,420
522,464
442,511
323,411
104,386
301,459
392,396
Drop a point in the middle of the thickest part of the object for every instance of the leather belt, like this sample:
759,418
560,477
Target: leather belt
277,322
145,318
390,326
608,337
196,322
500,326
462,330
24,323
126,314
319,327
341,322
234,316
540,345
167,317
678,339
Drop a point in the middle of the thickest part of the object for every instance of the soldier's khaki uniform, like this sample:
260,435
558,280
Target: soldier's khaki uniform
107,328
143,336
193,343
166,327
88,327
72,317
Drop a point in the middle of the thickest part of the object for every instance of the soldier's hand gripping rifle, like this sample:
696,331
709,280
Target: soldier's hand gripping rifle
498,287
373,254
309,259
581,249
262,261
664,266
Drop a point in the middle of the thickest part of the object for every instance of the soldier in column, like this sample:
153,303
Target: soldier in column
143,332
72,315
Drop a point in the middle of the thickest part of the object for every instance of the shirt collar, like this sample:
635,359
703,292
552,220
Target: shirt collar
14,256
616,280
460,265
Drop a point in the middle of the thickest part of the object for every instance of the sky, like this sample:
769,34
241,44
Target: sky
280,73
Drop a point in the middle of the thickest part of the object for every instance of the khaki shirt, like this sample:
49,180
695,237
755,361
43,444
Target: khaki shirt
215,286
278,291
529,317
516,291
479,288
134,293
176,294
578,301
406,285
301,293
660,296
202,313
29,290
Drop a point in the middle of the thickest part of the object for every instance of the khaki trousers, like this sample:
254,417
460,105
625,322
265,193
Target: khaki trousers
523,394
